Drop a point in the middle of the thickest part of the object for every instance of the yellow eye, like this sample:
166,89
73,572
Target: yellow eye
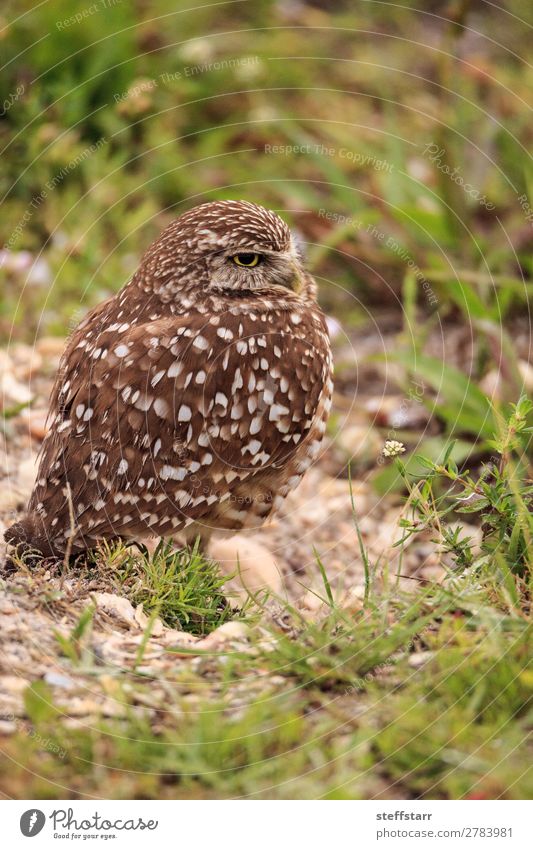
247,260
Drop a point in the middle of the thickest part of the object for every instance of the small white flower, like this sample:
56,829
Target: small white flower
393,448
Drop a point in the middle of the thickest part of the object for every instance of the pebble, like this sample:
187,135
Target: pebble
118,607
39,273
231,631
26,475
13,684
55,679
12,391
143,620
228,632
171,636
361,444
253,562
78,706
26,361
310,602
35,421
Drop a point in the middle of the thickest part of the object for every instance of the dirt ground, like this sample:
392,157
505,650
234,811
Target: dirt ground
317,519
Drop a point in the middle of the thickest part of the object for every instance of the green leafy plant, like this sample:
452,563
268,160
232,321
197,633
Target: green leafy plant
500,496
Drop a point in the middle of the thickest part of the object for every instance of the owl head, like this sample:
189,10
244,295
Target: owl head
232,247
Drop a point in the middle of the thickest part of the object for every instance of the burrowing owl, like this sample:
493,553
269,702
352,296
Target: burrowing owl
193,400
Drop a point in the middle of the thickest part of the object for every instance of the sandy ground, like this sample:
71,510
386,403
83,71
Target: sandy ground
317,519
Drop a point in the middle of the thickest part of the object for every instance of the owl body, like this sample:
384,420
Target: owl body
194,400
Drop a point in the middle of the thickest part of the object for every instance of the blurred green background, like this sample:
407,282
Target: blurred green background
117,116
396,140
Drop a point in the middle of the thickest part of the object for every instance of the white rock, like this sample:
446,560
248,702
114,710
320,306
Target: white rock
35,421
173,637
255,565
13,684
12,391
26,361
15,261
231,631
56,679
27,474
526,372
226,633
118,607
142,620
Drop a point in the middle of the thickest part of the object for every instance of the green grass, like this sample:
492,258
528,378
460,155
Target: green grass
426,694
181,586
203,135
385,224
335,710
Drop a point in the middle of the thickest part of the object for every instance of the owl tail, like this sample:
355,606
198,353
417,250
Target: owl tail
29,534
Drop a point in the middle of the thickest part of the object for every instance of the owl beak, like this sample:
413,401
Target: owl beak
296,283
290,274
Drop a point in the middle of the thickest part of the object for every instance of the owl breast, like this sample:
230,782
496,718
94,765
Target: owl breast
200,421
192,400
269,397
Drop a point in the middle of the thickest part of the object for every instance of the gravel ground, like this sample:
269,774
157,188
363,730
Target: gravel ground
316,519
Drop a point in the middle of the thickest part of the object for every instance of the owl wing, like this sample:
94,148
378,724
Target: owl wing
152,424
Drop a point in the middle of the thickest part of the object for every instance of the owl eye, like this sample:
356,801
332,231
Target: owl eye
247,260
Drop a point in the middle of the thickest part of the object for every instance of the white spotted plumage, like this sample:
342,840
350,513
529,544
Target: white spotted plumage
194,399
